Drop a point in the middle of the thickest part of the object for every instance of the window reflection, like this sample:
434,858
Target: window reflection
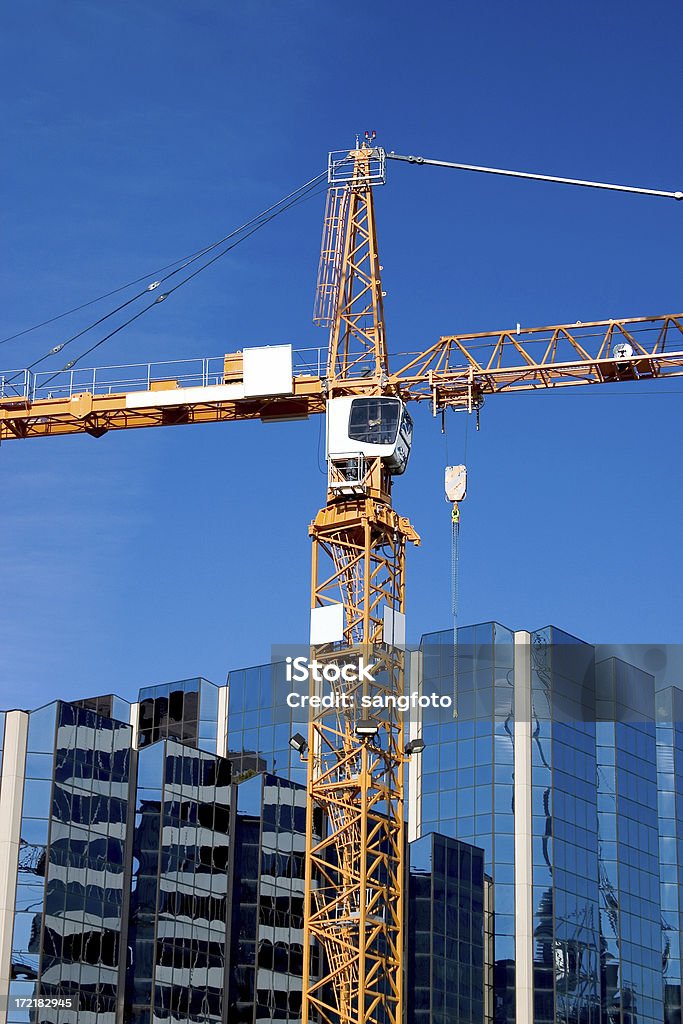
179,911
606,802
447,932
70,881
669,739
186,711
267,925
467,774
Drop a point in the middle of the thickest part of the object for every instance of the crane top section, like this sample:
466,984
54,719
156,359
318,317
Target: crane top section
365,165
349,297
458,371
342,169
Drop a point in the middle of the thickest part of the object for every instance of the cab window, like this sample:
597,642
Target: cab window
374,420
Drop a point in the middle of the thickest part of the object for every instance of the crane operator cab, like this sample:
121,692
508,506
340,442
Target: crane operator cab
361,428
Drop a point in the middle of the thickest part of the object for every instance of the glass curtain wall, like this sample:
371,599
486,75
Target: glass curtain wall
564,817
33,851
467,769
108,705
260,725
71,883
446,932
267,926
630,916
180,887
670,812
186,710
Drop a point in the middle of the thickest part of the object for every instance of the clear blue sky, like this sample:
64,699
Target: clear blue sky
137,131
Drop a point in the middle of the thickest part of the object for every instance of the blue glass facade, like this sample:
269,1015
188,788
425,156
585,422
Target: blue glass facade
166,883
566,922
467,769
107,706
446,932
605,917
180,884
669,714
186,710
260,725
630,915
71,883
268,910
150,886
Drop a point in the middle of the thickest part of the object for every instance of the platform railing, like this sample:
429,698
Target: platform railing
108,380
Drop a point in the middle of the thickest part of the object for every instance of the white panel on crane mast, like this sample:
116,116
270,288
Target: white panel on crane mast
394,627
267,370
327,624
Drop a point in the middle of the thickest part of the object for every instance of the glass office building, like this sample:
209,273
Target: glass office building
70,881
186,711
179,891
564,838
669,713
466,770
260,725
628,835
266,962
141,882
152,854
447,933
555,767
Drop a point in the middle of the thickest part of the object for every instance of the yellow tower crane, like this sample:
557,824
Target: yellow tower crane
354,906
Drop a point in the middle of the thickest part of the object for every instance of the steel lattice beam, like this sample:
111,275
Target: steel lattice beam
355,871
358,346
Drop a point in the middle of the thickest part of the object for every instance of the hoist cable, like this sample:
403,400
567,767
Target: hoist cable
185,260
259,224
62,345
258,221
455,544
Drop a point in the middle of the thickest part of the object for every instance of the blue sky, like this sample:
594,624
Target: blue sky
138,131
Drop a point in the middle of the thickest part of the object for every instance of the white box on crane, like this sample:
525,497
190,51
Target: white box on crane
267,370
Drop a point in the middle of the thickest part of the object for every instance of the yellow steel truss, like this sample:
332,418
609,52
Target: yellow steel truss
460,366
96,414
354,873
454,373
358,348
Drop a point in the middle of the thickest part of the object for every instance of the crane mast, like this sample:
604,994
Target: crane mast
354,873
